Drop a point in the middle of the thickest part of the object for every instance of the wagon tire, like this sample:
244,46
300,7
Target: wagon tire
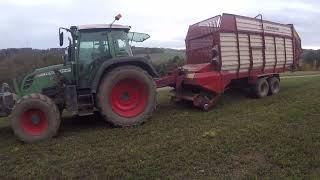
34,118
127,96
261,88
274,85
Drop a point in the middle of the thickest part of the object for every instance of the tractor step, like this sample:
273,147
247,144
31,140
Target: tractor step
77,103
85,113
85,104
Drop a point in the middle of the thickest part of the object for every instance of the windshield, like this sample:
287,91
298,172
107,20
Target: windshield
120,43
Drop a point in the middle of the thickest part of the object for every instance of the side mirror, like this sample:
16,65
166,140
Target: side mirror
61,38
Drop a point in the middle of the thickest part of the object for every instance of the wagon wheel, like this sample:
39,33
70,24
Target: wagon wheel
274,85
261,88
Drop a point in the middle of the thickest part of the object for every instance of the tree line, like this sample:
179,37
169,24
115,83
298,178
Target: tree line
310,59
169,65
16,63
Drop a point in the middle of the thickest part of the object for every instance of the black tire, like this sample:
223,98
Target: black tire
261,88
35,117
60,108
274,85
106,98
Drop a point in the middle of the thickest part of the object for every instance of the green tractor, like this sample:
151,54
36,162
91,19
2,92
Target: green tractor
99,74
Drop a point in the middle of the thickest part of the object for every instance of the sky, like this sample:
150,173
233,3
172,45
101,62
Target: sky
35,23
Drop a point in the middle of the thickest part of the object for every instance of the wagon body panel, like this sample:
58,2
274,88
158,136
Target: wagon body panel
248,48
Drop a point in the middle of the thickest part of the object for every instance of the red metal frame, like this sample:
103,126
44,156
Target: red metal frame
34,122
238,46
128,98
263,43
285,54
276,54
250,55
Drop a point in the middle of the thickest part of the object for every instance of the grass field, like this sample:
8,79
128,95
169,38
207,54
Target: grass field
301,73
278,136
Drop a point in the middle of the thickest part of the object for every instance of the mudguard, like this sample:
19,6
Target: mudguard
122,61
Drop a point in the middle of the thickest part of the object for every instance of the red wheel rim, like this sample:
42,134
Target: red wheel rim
34,122
128,98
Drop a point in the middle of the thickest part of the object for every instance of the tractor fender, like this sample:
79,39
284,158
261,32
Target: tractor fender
108,65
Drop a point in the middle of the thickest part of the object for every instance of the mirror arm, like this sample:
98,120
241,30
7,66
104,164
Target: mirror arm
64,60
69,50
68,30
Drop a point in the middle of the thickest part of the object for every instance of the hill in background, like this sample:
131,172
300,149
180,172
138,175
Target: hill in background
16,63
158,55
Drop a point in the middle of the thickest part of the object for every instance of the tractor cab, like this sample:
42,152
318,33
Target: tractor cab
91,45
91,42
98,41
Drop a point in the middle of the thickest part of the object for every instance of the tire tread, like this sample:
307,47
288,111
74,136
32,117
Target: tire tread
114,72
49,102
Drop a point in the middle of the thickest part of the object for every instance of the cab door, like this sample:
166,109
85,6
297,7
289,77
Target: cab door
93,45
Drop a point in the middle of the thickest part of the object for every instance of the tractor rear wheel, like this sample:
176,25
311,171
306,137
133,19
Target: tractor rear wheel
274,85
35,117
127,96
261,88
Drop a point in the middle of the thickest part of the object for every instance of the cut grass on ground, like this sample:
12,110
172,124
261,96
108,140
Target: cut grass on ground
278,136
301,73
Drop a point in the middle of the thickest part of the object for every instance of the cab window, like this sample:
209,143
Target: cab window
120,43
93,45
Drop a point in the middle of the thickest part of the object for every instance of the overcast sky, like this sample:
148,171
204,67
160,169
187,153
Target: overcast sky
35,23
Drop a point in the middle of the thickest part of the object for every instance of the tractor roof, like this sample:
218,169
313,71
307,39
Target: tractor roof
102,26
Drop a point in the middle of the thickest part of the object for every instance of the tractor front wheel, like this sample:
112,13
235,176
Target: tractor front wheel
35,117
127,96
